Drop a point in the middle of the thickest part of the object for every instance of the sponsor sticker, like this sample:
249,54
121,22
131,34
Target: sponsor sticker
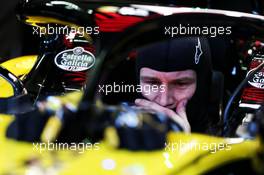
258,80
75,60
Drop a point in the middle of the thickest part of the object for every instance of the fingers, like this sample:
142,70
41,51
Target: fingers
143,102
181,108
148,105
181,111
181,120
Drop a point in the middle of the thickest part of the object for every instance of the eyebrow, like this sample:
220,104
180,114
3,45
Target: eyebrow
147,78
180,80
183,80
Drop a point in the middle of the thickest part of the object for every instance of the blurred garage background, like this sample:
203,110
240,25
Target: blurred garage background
16,38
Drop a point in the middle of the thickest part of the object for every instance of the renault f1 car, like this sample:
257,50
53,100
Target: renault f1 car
55,121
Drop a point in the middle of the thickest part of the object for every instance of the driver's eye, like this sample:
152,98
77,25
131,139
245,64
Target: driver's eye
181,84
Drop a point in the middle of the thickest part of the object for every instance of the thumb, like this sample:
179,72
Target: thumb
181,109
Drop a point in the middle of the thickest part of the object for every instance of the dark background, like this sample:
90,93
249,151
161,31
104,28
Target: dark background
16,39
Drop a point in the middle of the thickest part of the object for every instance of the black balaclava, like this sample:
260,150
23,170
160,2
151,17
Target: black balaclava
181,54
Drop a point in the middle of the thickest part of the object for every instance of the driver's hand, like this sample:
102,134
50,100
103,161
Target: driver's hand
179,115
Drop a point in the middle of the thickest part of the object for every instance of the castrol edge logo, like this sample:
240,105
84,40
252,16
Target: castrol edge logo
76,59
258,79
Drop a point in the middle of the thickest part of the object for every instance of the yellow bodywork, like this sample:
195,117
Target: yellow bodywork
25,158
19,66
183,154
180,162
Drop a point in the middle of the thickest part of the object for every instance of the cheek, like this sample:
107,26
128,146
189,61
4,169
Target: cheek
147,92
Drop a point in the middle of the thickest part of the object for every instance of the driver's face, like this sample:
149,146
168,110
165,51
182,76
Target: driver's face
176,86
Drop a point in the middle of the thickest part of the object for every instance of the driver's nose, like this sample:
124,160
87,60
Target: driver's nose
165,98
